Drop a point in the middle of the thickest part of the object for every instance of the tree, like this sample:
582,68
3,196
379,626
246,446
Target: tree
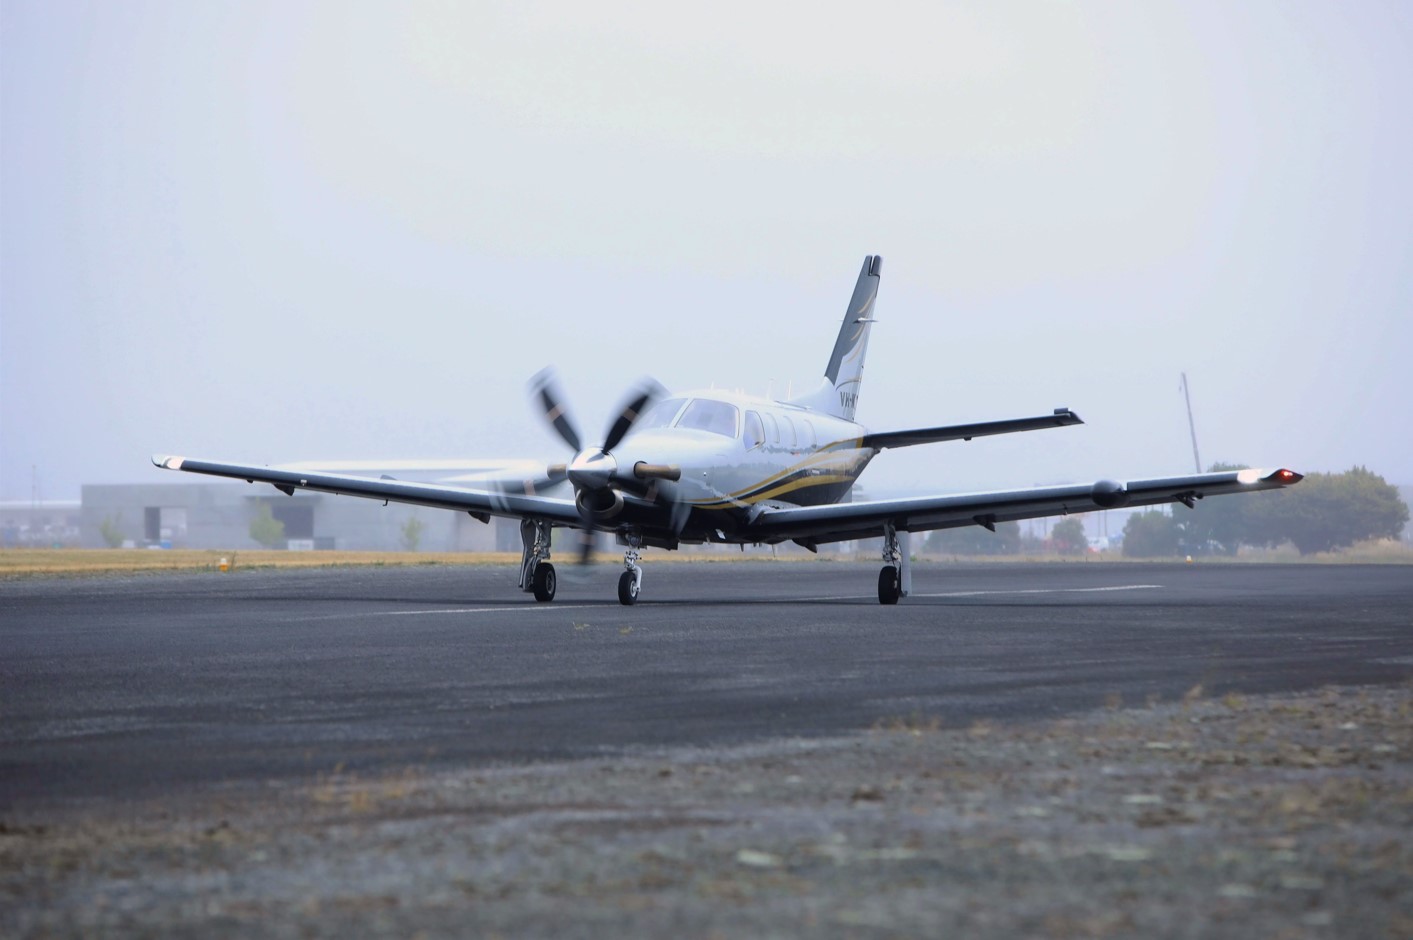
265,529
1329,511
412,533
1151,534
1068,537
975,540
1220,524
111,529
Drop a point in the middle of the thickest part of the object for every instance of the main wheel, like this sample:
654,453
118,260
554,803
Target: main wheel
890,585
544,582
627,589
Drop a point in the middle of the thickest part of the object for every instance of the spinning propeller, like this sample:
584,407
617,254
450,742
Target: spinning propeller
595,473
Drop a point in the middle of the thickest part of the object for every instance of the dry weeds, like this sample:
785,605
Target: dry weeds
1236,816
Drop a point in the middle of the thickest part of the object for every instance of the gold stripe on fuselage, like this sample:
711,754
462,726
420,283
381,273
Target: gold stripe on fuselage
828,458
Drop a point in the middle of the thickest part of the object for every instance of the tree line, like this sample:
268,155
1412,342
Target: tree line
1324,512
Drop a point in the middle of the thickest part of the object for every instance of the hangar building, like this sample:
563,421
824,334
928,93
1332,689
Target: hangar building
219,516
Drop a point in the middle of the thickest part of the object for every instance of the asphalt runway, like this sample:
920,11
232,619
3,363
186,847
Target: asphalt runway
144,686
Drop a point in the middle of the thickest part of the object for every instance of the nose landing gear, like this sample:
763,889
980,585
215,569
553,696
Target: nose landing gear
631,580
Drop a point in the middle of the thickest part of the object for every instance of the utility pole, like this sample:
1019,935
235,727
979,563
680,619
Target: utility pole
1192,428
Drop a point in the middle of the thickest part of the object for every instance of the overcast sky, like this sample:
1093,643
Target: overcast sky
304,231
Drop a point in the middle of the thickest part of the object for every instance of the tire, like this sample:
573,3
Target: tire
627,589
890,586
544,582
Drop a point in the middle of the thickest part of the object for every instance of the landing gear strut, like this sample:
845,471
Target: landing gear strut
631,580
536,573
895,580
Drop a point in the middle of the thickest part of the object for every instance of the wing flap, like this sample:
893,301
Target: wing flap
436,496
920,514
1061,417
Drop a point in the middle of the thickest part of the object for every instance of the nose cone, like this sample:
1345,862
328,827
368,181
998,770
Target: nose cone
592,470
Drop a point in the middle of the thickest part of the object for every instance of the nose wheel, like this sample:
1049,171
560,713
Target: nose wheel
627,589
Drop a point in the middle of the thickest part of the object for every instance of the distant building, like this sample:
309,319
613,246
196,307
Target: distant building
218,516
39,524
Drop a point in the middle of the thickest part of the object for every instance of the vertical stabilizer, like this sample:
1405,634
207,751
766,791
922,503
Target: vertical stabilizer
839,393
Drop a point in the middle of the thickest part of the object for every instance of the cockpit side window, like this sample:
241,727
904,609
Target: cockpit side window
703,414
755,431
659,415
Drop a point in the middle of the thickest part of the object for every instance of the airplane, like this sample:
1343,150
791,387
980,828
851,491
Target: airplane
716,467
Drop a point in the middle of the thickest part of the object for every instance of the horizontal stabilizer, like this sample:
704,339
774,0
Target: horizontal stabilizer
1061,417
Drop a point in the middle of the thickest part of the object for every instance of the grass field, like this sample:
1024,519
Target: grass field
91,562
19,563
94,562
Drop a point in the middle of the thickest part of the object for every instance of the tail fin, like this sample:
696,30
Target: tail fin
839,393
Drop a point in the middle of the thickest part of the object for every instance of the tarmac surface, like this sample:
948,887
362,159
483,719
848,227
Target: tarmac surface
142,686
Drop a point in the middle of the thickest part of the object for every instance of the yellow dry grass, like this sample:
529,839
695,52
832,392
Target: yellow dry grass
18,563
25,562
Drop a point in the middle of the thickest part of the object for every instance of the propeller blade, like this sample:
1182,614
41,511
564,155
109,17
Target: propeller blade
551,401
680,511
632,409
530,486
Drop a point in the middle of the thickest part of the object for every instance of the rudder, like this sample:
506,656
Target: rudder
839,393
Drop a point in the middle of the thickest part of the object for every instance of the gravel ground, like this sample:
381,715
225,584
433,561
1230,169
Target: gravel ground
1270,816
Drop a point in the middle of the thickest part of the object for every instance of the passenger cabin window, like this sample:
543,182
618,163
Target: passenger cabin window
755,431
807,438
787,433
774,430
703,414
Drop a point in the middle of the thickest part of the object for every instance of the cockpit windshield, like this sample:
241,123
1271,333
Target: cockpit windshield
659,415
703,414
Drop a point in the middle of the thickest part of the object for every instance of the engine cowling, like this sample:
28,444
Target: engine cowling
599,505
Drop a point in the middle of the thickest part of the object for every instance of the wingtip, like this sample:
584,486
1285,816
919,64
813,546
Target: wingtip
166,463
1280,477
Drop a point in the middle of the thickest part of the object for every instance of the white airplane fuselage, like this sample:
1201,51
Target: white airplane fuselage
757,452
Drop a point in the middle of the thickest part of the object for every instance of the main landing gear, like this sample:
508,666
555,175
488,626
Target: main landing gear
895,580
536,573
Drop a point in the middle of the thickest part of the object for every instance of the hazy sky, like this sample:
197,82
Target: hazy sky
298,231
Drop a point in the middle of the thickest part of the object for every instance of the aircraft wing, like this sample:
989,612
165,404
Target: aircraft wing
811,525
965,432
479,503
